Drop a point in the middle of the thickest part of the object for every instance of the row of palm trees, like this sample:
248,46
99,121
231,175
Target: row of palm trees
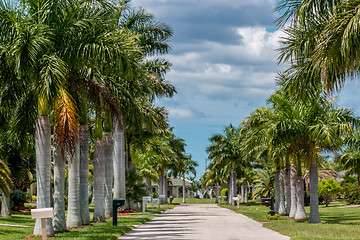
302,120
85,72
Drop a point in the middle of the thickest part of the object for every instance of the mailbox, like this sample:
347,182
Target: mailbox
42,213
117,202
269,202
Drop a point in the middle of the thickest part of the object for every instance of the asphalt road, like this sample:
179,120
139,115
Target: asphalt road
202,221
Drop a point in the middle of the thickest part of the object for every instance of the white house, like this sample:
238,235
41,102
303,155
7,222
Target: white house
174,187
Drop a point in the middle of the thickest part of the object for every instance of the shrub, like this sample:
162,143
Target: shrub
17,198
33,199
135,188
28,197
351,193
275,217
328,188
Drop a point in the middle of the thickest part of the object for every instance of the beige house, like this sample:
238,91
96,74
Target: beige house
174,187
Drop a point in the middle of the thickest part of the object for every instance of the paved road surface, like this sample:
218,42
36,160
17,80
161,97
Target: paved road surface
202,221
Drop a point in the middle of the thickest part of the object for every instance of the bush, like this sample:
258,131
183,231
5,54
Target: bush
33,199
17,198
135,188
351,193
328,188
275,217
28,197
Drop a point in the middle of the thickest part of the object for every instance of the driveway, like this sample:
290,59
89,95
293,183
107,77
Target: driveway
202,221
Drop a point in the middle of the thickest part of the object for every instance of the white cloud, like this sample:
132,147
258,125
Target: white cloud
184,113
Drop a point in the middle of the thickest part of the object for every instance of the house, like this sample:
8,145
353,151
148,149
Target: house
174,187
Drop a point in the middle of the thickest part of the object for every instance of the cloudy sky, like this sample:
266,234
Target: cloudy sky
224,65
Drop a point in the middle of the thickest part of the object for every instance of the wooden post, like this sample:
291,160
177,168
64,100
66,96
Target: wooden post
43,214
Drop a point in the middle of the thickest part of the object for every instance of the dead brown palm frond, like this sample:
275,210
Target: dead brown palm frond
99,93
66,124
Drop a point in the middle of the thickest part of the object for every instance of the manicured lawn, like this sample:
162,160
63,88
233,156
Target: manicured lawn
97,231
194,201
339,221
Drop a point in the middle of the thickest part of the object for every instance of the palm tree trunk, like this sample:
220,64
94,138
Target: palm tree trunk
277,190
287,187
216,193
229,188
293,179
242,193
84,174
119,160
43,170
233,187
281,202
73,214
300,209
160,188
314,216
165,188
99,181
246,192
59,221
184,190
108,147
5,206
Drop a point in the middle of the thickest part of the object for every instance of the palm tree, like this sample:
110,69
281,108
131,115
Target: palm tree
108,151
263,183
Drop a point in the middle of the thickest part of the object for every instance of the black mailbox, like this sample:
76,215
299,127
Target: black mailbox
117,202
269,202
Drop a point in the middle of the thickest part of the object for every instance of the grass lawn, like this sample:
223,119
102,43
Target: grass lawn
339,221
98,231
194,201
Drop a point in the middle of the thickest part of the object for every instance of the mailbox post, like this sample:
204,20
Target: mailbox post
117,202
269,202
43,214
144,200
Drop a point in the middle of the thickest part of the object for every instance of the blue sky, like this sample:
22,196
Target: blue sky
224,65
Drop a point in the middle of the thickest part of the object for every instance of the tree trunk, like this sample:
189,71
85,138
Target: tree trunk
277,190
119,160
246,192
184,190
229,195
165,188
59,221
281,202
108,147
233,187
287,189
216,193
293,176
5,206
43,171
99,181
300,209
160,188
84,174
73,213
314,216
242,193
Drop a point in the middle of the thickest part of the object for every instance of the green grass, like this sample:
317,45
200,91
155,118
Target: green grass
339,221
194,201
97,231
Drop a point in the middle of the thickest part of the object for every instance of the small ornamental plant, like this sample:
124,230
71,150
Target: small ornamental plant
274,217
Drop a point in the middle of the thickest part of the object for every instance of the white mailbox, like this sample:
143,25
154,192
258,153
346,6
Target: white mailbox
144,200
42,213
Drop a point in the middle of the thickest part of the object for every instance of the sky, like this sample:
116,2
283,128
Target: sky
224,65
